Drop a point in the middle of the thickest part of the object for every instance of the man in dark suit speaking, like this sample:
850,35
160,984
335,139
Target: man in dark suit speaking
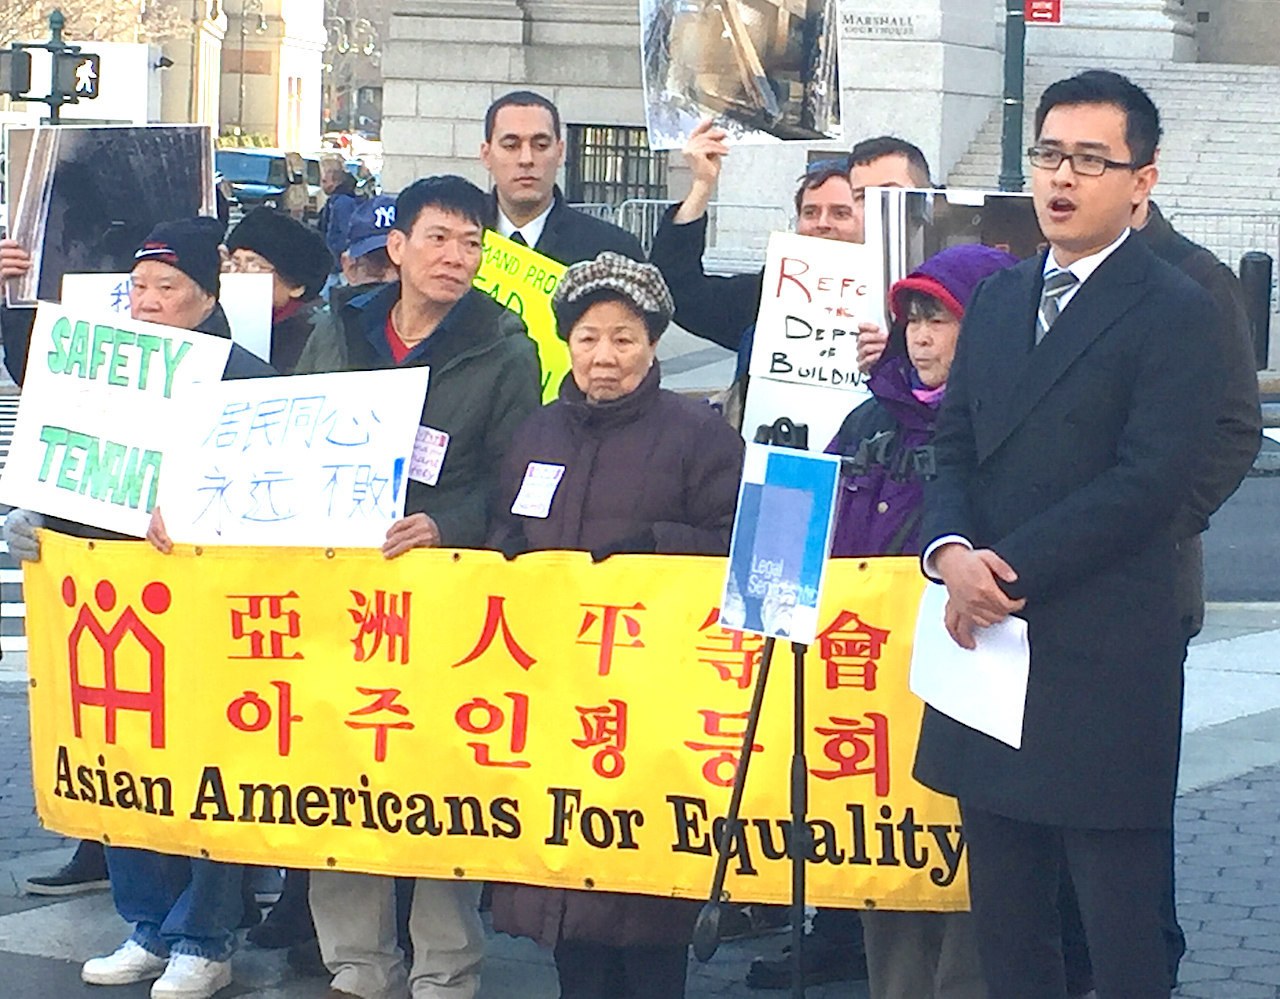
1079,414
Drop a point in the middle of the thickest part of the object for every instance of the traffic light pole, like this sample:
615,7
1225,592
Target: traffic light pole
1015,43
57,47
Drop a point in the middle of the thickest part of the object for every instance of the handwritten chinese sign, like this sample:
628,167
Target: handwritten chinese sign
450,714
312,459
245,298
102,406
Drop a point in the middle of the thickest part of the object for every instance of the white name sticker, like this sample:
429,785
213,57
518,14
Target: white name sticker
537,490
429,448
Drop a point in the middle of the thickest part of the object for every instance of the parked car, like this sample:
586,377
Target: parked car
270,177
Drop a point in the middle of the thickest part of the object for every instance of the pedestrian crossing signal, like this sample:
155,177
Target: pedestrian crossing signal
76,74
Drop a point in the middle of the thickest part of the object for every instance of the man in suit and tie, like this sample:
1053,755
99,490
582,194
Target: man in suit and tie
523,149
1080,414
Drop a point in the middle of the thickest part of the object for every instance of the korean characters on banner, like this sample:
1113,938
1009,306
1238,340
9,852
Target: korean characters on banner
102,412
524,280
583,722
305,460
804,355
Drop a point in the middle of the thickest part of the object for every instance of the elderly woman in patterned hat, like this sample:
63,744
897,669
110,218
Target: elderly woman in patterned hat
616,464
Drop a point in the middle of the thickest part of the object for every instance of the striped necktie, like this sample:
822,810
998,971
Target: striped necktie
1056,284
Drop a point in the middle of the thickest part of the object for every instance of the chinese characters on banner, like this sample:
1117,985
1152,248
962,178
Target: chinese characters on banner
307,460
573,724
804,354
103,408
524,280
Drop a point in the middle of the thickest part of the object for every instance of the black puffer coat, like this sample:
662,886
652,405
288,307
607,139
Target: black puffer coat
653,468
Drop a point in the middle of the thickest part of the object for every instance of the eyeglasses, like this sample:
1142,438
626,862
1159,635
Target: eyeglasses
239,265
1083,164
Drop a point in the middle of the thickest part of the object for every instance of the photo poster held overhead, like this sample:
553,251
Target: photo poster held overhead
766,70
90,196
804,353
781,539
907,227
245,298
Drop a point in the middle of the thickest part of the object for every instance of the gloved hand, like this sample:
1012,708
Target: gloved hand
20,534
643,543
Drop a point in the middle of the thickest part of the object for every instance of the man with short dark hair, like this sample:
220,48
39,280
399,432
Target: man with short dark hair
828,205
485,380
523,149
1079,417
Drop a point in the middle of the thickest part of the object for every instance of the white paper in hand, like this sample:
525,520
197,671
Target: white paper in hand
984,688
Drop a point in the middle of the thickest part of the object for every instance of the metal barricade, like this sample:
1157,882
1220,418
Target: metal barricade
596,209
1230,235
737,234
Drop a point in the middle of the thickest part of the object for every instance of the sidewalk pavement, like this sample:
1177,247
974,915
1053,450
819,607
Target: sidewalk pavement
1227,830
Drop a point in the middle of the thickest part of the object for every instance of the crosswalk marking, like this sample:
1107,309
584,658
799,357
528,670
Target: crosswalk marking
13,610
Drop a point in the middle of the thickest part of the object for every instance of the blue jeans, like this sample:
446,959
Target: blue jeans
177,905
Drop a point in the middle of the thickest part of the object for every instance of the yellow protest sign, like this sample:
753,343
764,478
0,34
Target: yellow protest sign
524,280
451,714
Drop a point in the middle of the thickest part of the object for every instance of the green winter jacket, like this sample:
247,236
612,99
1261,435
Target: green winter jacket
484,381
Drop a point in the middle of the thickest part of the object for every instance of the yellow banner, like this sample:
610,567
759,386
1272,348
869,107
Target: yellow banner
447,713
524,280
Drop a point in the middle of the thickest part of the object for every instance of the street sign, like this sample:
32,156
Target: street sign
1043,11
76,73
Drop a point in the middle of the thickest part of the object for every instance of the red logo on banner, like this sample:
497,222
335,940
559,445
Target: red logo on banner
110,696
1043,11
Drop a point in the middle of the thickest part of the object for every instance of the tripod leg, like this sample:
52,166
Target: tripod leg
799,827
706,931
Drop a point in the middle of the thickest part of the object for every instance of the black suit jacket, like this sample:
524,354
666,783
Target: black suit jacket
1072,460
571,236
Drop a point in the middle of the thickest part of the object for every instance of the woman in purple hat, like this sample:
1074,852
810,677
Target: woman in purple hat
910,955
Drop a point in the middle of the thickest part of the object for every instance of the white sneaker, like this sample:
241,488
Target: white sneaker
191,977
130,963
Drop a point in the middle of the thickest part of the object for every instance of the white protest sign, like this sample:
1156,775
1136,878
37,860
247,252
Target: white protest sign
245,298
102,405
306,460
804,355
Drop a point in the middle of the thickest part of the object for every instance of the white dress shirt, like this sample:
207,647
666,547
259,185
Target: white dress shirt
531,230
1083,269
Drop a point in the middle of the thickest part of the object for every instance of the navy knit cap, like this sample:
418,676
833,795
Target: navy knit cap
190,245
951,276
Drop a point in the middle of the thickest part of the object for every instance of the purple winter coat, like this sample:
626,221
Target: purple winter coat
879,508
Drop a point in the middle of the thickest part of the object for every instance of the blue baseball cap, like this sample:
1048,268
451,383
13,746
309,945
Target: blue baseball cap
370,223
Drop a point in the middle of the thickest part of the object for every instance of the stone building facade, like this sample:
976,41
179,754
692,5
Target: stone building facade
935,81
